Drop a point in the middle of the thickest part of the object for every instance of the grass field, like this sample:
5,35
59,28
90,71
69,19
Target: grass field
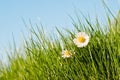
89,52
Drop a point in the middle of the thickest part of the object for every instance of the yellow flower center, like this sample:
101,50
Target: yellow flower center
67,53
81,39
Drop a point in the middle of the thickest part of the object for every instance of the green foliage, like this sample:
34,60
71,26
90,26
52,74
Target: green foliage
42,60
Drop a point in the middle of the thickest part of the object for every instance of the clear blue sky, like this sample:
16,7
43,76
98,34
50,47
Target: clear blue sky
50,12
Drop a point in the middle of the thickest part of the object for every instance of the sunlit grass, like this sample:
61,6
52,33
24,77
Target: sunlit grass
59,58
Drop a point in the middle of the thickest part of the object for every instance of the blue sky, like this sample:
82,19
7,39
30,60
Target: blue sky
50,13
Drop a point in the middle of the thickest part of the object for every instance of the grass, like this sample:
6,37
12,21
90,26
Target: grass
42,60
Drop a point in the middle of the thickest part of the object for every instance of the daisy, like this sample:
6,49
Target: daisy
66,54
81,40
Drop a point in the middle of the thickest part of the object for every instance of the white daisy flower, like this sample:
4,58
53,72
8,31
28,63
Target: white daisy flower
66,54
81,40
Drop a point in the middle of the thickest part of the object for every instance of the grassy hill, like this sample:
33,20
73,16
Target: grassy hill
90,52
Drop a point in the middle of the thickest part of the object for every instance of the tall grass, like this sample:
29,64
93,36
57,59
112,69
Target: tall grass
42,60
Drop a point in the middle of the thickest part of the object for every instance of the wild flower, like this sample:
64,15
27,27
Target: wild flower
82,39
66,54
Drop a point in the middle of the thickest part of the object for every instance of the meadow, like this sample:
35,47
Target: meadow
89,52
